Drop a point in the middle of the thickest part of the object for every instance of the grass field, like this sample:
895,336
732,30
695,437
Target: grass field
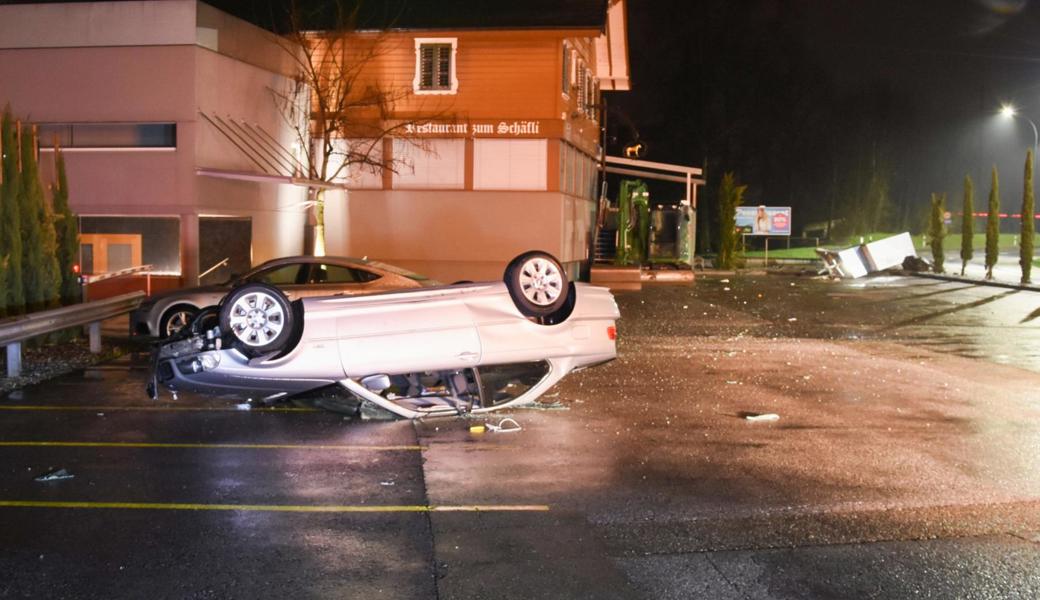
952,243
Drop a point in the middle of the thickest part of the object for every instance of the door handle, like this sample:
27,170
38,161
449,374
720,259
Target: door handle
468,356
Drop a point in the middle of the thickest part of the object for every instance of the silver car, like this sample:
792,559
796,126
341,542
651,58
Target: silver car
164,314
472,347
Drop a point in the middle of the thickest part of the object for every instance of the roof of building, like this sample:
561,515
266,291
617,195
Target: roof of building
412,14
424,14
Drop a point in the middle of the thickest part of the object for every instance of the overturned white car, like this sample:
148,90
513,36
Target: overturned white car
472,347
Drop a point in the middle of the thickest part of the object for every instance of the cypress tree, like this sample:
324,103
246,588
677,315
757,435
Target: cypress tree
731,196
937,231
50,276
993,225
32,246
10,217
967,223
67,229
1025,254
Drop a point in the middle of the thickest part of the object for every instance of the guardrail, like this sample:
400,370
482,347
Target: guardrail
15,330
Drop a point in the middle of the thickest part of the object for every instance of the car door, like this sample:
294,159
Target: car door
328,279
291,278
407,334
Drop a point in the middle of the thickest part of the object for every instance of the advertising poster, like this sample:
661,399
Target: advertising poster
764,220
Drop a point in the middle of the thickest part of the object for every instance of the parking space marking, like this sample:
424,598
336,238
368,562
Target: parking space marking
159,408
357,508
52,444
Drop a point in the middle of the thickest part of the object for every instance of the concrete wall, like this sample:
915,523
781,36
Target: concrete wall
78,25
452,235
128,84
226,86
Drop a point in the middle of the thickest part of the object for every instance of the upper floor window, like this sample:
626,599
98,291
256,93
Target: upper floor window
108,135
435,66
566,74
583,90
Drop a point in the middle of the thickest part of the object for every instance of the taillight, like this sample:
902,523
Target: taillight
612,332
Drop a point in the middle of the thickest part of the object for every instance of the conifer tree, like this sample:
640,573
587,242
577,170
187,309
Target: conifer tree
67,229
731,196
10,216
937,231
993,225
1025,254
967,223
35,272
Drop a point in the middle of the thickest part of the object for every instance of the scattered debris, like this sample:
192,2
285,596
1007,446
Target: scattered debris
55,475
502,426
477,429
792,319
916,264
388,483
762,417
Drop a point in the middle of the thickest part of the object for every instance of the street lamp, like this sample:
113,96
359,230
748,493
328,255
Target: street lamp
1008,111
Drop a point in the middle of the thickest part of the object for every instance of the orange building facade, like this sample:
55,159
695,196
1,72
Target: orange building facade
497,150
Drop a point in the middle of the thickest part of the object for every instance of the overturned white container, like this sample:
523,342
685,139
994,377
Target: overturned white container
861,260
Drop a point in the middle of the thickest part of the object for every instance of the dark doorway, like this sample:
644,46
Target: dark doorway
222,238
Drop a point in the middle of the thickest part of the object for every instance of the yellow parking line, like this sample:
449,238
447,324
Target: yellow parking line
357,508
157,408
51,444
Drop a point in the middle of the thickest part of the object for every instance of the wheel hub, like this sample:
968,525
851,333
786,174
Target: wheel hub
256,319
540,281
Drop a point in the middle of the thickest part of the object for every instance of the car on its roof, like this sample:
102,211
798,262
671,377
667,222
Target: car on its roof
297,276
449,349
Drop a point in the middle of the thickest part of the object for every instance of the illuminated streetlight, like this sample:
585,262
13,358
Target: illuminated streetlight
1008,111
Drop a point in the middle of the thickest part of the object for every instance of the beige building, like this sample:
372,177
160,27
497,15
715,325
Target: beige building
178,156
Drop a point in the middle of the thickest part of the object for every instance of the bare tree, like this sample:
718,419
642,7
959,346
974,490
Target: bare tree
337,106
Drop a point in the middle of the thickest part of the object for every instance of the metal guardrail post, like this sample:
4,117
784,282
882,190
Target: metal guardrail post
94,334
14,359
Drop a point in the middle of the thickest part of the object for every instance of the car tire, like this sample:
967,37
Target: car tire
258,318
175,319
537,284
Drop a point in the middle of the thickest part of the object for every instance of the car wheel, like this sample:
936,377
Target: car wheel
537,284
176,319
258,317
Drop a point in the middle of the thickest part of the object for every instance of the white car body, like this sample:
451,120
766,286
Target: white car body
445,330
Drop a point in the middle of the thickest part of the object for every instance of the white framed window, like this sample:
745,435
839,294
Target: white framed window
435,66
440,165
566,74
590,93
510,164
583,90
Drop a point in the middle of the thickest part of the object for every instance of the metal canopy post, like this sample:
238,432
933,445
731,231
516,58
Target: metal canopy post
689,176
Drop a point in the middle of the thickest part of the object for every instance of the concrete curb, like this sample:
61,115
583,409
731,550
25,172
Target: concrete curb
956,279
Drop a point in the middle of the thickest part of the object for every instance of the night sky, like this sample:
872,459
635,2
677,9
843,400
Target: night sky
804,99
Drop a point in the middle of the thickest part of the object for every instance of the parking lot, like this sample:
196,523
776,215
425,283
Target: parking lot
905,461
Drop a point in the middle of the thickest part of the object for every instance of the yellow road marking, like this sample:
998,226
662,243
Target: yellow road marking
49,444
157,408
405,508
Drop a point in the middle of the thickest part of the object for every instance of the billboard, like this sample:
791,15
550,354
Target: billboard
764,220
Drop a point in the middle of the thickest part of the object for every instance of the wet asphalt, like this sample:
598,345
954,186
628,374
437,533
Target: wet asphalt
905,463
